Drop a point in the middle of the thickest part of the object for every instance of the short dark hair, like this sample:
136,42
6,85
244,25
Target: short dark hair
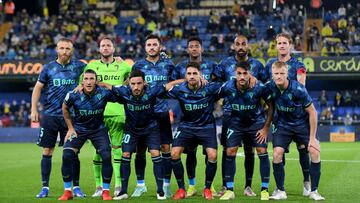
152,36
193,65
91,71
108,38
194,38
243,64
137,73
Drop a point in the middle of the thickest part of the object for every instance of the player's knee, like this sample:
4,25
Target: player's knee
154,153
68,155
231,151
261,150
277,155
248,149
48,151
126,154
301,147
212,155
175,154
165,148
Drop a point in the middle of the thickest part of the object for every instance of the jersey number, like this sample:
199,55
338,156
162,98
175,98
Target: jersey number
126,138
229,133
177,134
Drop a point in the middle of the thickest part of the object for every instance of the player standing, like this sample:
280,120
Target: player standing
57,78
113,72
297,121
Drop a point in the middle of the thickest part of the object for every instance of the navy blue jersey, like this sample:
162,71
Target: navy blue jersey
197,106
58,80
207,67
294,66
225,71
290,104
139,111
89,109
246,108
155,73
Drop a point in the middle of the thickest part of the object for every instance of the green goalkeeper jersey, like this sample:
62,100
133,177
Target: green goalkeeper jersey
114,74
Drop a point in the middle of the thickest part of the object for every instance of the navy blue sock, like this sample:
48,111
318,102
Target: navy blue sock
76,170
305,163
191,163
107,169
178,172
315,172
158,172
67,165
249,166
140,164
279,174
223,167
264,170
125,171
210,172
166,162
230,172
45,169
283,159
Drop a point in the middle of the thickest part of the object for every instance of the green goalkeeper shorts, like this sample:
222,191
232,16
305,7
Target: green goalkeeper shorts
115,125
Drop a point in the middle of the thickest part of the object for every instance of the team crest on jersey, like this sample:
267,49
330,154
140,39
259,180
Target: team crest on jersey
185,95
233,94
145,97
99,96
82,98
251,94
203,93
290,96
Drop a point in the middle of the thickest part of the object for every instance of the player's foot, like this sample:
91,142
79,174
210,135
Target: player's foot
117,191
167,191
139,190
43,193
249,192
208,194
78,193
264,195
161,196
191,191
228,195
106,195
180,194
307,189
221,192
121,196
213,190
98,192
316,196
278,195
66,196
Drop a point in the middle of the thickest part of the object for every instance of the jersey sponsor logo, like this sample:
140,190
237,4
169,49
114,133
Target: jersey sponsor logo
108,77
285,108
60,82
154,78
132,107
193,107
87,112
237,107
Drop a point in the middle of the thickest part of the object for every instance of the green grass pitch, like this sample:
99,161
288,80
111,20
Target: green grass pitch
20,175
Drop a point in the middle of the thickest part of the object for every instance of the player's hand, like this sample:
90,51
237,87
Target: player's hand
204,81
70,135
262,135
118,59
314,143
253,81
79,89
34,116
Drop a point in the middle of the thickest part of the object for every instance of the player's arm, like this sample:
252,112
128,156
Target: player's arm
171,84
71,131
313,127
301,76
35,97
263,133
106,85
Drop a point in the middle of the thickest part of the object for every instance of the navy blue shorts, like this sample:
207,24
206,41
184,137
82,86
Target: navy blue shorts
236,136
190,137
99,139
283,136
149,138
224,129
50,128
163,119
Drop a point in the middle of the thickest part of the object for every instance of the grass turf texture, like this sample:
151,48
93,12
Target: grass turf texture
21,181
